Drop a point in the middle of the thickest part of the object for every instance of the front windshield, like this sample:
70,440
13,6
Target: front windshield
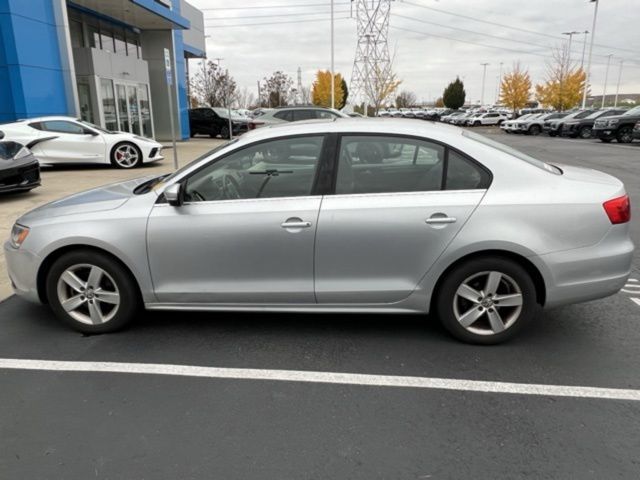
512,151
95,127
633,111
222,112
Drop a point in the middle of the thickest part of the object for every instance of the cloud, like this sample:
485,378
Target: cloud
425,61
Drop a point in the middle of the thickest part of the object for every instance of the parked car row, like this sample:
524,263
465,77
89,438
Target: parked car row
605,124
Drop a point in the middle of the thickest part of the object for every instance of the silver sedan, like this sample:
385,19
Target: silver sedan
337,216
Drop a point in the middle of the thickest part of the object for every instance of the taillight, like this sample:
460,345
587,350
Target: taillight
618,209
254,125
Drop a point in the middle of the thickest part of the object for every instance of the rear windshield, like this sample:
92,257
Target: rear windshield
512,151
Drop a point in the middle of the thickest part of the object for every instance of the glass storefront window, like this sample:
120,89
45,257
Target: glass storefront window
108,104
145,110
77,37
123,110
121,46
94,36
84,100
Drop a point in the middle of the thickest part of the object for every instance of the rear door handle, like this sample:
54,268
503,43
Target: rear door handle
440,220
295,224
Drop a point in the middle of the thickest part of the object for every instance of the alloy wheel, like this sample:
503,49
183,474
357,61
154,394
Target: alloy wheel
88,294
585,132
126,156
488,303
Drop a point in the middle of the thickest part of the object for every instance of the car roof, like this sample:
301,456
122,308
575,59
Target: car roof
372,125
46,119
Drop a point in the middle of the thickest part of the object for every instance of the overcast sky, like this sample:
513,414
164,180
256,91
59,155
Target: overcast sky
424,61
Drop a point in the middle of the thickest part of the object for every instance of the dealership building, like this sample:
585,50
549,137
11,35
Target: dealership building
100,60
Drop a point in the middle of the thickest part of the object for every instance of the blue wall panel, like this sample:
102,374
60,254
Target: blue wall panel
31,74
181,79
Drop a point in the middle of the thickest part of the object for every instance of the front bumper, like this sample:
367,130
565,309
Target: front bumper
23,177
22,266
604,133
152,153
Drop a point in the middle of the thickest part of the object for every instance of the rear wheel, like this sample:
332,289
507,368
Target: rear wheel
224,132
126,155
625,135
486,300
91,292
585,132
476,124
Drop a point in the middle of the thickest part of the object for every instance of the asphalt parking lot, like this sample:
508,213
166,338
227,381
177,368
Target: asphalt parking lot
261,396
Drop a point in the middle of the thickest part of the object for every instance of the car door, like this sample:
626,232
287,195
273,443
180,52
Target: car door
245,233
71,142
398,203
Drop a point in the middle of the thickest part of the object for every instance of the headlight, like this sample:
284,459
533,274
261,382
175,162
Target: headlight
18,235
23,152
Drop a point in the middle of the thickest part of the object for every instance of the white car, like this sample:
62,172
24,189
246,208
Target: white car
490,118
65,140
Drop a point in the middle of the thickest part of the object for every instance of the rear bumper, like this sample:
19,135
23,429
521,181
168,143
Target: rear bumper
588,273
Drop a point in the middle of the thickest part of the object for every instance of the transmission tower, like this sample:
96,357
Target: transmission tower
372,50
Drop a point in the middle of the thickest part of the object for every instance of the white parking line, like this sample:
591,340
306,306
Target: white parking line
356,379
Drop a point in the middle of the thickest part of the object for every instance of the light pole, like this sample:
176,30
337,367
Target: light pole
484,74
333,86
584,47
570,34
593,36
615,103
499,83
606,77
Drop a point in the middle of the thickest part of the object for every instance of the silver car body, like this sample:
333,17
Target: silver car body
361,252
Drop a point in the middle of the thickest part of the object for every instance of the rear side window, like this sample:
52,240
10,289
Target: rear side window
463,174
286,115
303,115
379,164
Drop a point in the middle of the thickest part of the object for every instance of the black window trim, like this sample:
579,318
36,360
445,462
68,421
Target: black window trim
445,166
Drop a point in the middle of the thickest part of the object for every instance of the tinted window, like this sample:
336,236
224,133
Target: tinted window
277,168
286,115
303,115
62,126
463,174
377,164
325,114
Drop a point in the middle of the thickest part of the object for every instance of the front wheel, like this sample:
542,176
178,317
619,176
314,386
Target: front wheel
486,300
224,132
126,155
91,292
534,130
625,135
585,132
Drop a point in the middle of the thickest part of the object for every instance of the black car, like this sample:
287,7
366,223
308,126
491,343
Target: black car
636,130
554,127
19,169
214,121
619,127
582,127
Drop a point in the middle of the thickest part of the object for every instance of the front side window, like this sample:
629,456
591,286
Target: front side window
62,126
286,115
276,168
303,115
325,115
379,164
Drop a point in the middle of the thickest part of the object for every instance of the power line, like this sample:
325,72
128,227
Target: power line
276,23
519,29
276,15
306,5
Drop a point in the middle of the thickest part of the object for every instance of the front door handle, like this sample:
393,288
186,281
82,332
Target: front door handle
295,224
440,219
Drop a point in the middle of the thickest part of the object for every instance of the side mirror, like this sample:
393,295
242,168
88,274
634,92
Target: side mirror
88,131
173,194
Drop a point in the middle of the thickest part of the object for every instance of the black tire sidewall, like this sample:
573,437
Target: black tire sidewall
453,279
582,131
129,295
117,165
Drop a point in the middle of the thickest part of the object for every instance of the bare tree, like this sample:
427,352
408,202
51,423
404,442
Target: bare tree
245,98
381,86
406,99
277,89
214,87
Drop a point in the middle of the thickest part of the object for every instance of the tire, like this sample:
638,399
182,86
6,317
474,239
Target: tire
513,280
126,155
625,135
534,130
476,124
224,132
95,312
551,134
584,133
605,140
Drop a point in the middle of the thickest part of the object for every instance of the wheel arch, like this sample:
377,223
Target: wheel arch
49,260
530,267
